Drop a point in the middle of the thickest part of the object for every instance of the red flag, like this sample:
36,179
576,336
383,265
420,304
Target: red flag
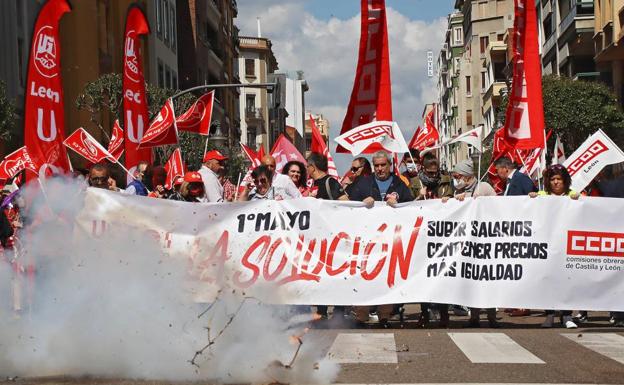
174,168
524,122
251,155
197,118
135,100
427,136
117,138
162,130
261,153
86,146
371,97
16,162
284,151
44,120
319,146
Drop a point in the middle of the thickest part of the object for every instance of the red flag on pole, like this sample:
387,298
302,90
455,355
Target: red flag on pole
371,97
284,151
86,146
261,153
524,122
162,130
44,120
251,155
174,168
115,146
16,162
197,118
427,136
135,100
319,146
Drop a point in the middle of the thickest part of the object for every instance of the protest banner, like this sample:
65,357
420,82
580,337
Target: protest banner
541,253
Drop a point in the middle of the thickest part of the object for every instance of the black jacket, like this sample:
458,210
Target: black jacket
520,184
366,186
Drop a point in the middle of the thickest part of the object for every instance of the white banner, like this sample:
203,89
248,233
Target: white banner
597,152
518,252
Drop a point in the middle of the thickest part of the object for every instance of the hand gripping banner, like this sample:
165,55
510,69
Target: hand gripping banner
44,120
518,252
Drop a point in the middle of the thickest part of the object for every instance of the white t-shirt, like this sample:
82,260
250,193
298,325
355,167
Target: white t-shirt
285,186
214,189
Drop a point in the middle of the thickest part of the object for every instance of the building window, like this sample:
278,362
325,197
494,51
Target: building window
251,137
457,36
159,18
20,61
167,77
500,37
172,26
166,23
483,81
161,74
468,86
469,117
250,103
250,67
484,41
174,80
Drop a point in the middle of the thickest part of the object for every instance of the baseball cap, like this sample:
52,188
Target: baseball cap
214,154
178,181
192,176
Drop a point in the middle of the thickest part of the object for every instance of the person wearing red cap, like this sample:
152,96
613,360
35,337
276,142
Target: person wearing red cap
192,188
213,164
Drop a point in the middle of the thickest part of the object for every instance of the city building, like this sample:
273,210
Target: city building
451,100
207,50
609,43
162,45
321,123
257,60
566,29
288,115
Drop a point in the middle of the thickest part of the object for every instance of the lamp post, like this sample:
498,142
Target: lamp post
217,137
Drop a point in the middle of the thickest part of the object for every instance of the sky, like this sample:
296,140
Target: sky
321,37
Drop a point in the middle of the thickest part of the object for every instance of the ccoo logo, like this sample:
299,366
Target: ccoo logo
131,67
45,51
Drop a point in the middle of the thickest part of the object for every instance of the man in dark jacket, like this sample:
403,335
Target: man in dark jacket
382,186
517,182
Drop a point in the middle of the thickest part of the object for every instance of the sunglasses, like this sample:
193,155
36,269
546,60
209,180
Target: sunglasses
99,179
355,169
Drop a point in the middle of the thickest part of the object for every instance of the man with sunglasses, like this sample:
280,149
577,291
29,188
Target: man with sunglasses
213,164
99,177
430,182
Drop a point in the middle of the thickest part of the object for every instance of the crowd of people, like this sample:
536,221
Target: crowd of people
366,181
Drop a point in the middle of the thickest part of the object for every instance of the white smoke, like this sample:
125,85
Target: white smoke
115,306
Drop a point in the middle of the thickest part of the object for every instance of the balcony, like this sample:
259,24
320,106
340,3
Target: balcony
550,43
253,113
215,64
247,42
213,14
582,21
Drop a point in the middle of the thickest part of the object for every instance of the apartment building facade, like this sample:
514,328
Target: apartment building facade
322,124
257,62
207,54
609,43
566,29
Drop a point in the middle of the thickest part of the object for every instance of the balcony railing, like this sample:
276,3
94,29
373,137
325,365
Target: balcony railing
570,17
550,42
253,113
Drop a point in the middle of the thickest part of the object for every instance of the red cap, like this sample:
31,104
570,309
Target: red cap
214,154
193,176
178,181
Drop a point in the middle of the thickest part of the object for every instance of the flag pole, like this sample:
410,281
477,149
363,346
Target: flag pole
237,187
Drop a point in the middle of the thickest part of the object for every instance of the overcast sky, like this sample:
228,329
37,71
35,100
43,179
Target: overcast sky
321,38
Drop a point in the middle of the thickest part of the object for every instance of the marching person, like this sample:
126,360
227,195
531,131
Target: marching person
467,186
557,181
213,164
411,161
359,167
430,182
280,181
263,188
192,189
99,177
296,171
517,183
382,186
137,186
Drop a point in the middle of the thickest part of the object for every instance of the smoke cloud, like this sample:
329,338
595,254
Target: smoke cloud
115,306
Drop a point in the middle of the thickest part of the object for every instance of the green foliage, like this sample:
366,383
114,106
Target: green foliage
575,109
104,95
7,114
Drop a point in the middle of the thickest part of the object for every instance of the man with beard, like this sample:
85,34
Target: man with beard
430,182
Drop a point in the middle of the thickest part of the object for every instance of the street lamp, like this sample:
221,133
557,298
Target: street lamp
217,137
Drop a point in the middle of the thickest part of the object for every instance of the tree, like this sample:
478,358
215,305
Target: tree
7,115
104,95
575,109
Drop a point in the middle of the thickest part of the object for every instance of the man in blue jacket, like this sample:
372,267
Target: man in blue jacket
517,182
